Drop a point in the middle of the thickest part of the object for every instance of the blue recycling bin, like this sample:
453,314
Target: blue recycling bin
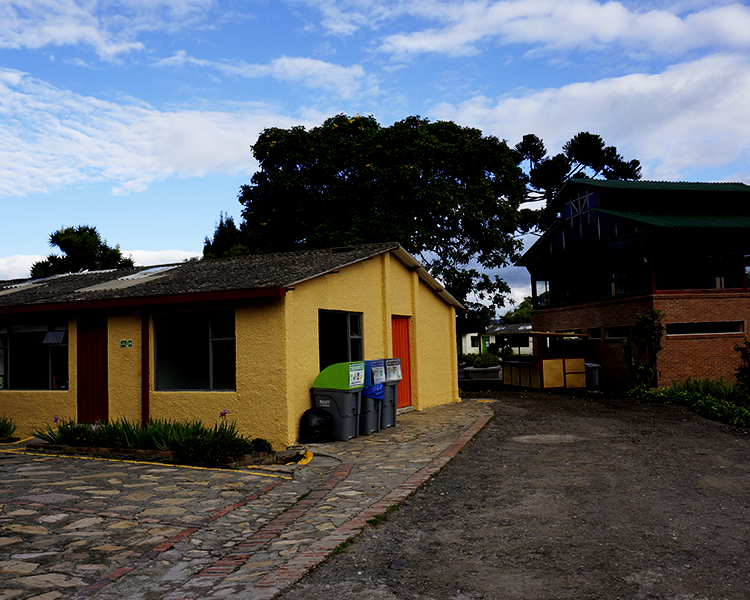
338,390
372,397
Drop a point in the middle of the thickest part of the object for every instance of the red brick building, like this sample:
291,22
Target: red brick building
618,248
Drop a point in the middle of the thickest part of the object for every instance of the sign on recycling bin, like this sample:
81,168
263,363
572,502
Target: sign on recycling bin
356,375
393,369
378,371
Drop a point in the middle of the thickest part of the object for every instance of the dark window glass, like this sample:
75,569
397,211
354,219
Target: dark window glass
339,337
33,357
705,328
195,351
617,332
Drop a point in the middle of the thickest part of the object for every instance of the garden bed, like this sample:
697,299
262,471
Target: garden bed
162,456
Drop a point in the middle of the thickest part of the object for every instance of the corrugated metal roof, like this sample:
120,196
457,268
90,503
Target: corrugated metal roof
664,220
672,186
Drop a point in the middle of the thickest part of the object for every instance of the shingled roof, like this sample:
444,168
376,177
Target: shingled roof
263,275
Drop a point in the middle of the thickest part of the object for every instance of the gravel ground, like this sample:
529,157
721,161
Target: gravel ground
565,496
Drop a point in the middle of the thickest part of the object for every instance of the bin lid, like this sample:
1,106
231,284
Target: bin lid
342,376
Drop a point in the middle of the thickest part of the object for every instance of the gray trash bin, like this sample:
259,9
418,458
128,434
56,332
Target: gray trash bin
337,389
369,415
592,375
345,408
390,399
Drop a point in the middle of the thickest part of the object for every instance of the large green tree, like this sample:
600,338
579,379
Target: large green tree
447,193
584,155
83,250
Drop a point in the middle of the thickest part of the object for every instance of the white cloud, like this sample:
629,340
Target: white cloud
17,266
108,28
691,117
52,138
345,82
460,27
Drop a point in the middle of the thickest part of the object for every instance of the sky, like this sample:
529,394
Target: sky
138,116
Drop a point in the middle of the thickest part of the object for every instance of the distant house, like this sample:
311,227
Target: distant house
618,248
513,335
246,334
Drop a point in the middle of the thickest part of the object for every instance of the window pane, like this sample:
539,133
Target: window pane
182,351
339,337
356,349
333,345
355,326
28,360
223,365
58,359
222,325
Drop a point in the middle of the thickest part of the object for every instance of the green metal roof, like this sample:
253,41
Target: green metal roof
683,220
674,186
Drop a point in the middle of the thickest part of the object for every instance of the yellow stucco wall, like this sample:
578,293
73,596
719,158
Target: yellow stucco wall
258,404
31,409
276,355
124,367
379,288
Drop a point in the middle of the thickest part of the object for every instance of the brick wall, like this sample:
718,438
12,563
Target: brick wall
705,355
682,356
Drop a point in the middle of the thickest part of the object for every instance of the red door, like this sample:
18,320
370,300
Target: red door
93,395
402,350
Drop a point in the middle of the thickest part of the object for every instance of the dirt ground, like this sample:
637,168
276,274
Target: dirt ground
565,497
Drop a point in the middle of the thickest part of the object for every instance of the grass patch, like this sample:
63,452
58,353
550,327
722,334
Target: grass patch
192,442
726,402
342,547
382,517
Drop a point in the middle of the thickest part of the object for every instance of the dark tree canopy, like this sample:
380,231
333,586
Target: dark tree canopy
83,250
585,155
447,193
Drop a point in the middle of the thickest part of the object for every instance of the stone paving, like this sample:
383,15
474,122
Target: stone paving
78,528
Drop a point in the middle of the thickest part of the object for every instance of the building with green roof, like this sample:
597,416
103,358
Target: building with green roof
617,248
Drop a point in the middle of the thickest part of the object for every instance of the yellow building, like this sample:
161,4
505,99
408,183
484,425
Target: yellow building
247,334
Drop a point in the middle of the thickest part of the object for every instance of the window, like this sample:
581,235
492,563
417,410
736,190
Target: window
705,328
577,213
34,357
617,332
595,333
195,351
475,341
339,337
542,293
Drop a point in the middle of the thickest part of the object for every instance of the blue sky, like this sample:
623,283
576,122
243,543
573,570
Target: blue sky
137,116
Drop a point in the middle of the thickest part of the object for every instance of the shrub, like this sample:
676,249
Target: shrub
192,442
642,345
713,399
742,375
486,360
7,427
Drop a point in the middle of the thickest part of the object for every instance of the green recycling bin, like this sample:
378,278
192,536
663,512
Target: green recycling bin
337,390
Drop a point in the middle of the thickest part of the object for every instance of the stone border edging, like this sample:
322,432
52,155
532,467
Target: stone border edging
273,583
